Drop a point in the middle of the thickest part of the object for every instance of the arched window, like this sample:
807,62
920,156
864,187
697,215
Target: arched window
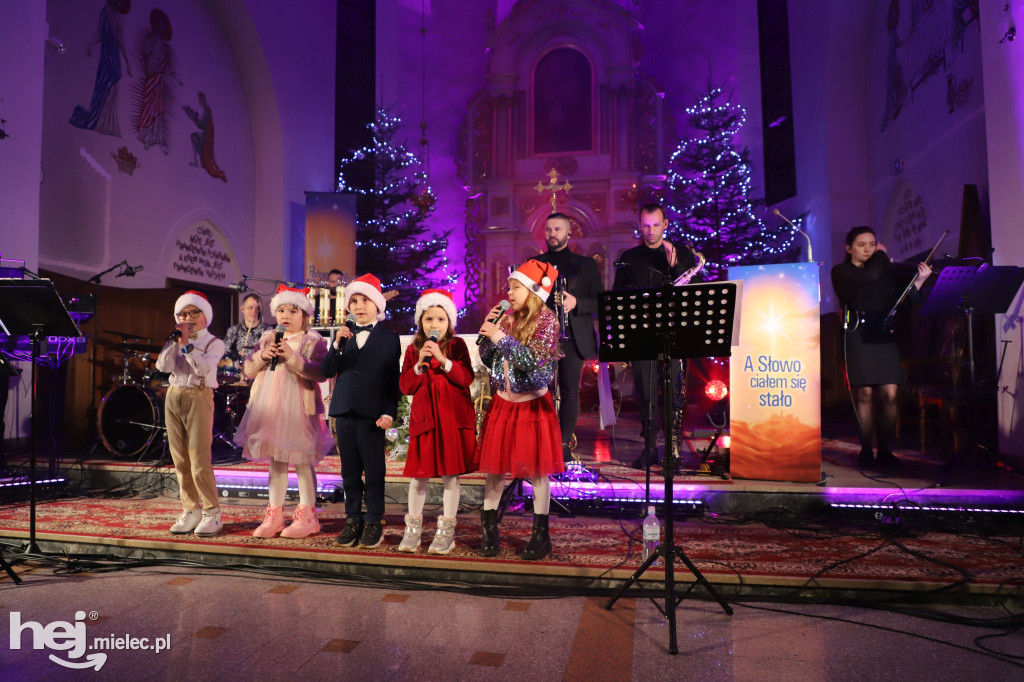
562,103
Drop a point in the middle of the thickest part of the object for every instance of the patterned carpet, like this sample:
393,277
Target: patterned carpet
748,553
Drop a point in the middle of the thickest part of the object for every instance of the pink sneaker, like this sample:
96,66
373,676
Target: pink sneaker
273,522
304,523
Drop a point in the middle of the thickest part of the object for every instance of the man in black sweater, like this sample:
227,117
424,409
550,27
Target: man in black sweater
652,264
582,284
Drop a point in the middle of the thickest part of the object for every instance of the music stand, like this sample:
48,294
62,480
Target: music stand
31,307
986,290
673,322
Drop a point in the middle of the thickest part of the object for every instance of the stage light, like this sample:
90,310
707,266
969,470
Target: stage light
716,389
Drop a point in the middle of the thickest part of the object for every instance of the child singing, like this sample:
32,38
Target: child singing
437,372
283,422
520,435
364,403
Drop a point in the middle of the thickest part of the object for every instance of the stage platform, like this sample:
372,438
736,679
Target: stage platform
894,534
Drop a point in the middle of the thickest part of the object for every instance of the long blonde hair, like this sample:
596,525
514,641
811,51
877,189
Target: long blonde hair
524,321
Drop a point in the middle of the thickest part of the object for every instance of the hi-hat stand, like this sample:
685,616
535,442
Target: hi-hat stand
31,307
673,322
985,290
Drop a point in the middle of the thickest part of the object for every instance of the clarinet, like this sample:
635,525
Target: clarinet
563,317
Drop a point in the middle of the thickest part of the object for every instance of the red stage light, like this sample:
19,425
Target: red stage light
716,390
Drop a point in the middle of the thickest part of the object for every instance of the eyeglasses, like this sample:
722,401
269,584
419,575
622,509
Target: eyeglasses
190,314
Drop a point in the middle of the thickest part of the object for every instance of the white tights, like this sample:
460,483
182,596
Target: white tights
306,474
541,492
418,494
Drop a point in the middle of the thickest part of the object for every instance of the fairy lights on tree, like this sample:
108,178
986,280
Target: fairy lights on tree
393,240
708,189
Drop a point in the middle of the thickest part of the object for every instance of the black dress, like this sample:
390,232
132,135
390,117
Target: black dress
872,353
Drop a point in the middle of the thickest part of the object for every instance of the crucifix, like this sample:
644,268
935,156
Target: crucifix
553,186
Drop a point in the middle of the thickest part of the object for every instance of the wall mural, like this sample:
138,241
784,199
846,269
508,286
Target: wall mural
932,42
202,142
154,88
102,113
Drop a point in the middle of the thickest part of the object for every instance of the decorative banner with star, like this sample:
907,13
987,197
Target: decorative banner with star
775,375
330,235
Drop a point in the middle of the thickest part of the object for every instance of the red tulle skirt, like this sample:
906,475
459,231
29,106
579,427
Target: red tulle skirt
521,439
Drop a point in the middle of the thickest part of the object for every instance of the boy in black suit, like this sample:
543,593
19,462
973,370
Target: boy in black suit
364,402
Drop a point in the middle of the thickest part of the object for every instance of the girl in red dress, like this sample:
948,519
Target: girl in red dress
520,435
437,372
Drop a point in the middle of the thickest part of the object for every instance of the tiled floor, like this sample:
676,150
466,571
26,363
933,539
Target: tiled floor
234,626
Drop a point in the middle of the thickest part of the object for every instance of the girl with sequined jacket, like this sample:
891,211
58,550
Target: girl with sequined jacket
520,434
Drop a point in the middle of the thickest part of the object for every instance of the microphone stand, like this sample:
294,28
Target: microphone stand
90,417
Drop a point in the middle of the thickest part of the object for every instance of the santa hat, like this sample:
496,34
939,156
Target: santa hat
537,277
197,299
437,297
368,286
289,296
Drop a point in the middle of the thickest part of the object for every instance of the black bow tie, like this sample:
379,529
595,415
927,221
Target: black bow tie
364,328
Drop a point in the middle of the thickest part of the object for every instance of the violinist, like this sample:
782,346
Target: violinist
868,286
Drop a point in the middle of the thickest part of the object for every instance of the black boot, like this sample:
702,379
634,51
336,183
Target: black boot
489,542
539,545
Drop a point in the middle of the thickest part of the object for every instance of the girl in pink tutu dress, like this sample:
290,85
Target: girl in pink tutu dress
437,373
284,420
520,435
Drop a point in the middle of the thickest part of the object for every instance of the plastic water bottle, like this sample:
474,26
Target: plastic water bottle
652,533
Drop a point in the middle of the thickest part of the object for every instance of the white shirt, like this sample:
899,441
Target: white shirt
197,368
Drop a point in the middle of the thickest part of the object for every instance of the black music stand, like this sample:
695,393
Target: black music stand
31,307
673,322
985,290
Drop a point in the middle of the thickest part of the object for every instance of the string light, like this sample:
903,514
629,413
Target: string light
708,185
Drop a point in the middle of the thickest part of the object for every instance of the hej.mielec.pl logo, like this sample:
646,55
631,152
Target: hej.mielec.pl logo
71,637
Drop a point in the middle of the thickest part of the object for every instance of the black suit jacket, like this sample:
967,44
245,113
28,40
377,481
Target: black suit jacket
367,384
582,280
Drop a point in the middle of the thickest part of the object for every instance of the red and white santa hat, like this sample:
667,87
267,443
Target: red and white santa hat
197,299
437,297
286,295
536,276
368,286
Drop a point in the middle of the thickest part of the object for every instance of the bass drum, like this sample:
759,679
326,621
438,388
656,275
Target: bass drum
131,417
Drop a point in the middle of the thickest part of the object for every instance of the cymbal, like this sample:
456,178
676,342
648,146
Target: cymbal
124,335
142,347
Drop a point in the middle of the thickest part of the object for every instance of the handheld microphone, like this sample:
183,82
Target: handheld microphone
176,334
503,305
433,335
620,264
278,335
350,322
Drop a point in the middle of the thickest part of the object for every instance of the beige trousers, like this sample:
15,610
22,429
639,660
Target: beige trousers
188,415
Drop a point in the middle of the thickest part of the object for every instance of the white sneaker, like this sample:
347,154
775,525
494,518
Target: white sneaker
187,522
211,523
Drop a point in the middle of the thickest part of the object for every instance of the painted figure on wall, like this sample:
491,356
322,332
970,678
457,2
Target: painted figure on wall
895,86
154,90
102,113
202,142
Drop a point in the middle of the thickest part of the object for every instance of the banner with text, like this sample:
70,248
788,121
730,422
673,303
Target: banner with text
330,235
775,375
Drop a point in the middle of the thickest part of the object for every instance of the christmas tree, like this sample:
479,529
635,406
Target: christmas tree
393,239
708,193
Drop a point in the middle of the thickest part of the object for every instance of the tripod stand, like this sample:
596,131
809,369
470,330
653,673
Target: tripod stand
987,290
32,308
692,320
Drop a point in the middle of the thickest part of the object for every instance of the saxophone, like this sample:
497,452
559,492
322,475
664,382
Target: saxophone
679,404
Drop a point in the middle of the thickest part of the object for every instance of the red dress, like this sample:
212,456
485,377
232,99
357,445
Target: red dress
442,423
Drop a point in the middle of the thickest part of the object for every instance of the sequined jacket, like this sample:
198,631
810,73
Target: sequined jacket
531,364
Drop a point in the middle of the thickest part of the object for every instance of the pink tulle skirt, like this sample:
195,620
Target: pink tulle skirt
275,426
521,439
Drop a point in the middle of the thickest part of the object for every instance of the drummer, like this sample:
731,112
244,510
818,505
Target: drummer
242,337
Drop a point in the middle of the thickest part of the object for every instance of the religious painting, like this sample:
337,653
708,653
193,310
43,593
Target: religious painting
101,115
202,141
156,83
562,103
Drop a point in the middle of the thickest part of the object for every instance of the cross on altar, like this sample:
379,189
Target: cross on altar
553,186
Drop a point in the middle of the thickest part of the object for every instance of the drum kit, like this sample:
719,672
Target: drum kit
131,413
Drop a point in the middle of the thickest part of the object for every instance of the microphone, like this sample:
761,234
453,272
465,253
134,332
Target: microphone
620,264
130,271
810,258
434,336
176,334
279,334
350,322
503,305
